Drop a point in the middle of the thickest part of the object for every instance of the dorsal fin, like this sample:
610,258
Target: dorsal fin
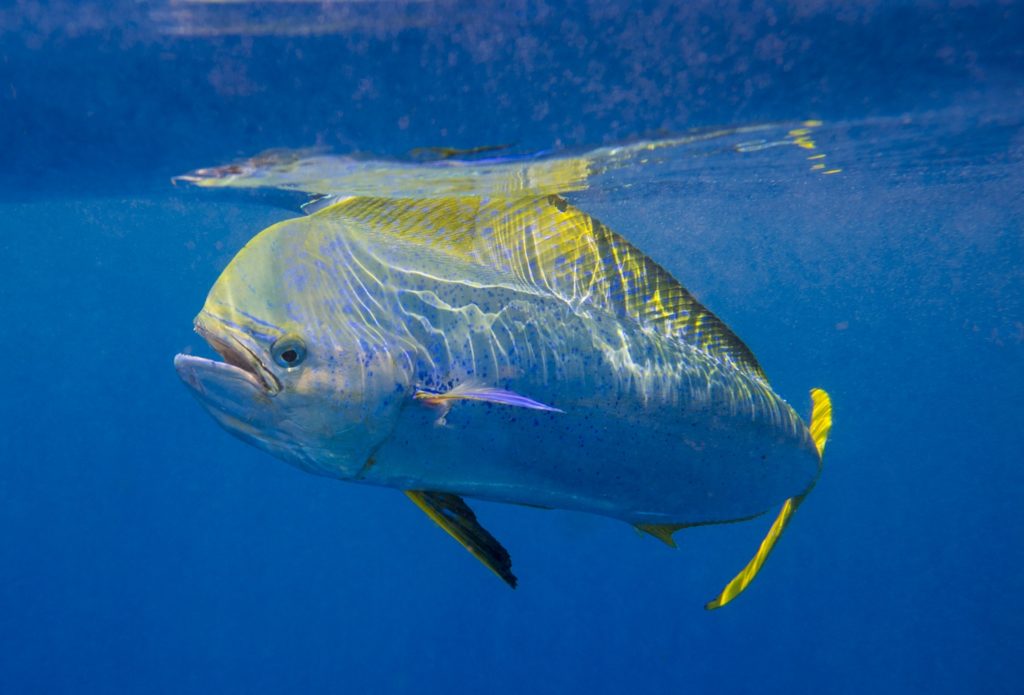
549,245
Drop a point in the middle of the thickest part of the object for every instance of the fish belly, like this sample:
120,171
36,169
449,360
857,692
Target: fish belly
691,467
652,431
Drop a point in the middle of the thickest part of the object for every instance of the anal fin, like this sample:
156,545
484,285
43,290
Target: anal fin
663,532
451,513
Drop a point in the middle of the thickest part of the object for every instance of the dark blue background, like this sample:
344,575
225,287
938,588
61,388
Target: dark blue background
144,550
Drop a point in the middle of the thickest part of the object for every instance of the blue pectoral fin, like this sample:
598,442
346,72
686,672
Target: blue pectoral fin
487,394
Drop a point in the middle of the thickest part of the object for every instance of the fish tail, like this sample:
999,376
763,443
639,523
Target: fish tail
821,423
821,419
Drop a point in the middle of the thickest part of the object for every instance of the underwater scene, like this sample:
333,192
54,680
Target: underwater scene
393,346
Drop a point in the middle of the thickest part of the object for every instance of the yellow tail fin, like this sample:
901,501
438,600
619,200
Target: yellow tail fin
821,419
821,423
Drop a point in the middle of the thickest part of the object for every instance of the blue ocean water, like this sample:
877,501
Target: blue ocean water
143,549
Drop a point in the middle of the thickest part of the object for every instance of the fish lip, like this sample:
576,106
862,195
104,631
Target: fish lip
236,354
193,370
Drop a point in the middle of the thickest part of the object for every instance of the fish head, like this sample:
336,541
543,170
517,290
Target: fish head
298,377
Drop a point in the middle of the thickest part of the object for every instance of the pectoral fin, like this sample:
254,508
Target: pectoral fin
451,513
474,392
821,423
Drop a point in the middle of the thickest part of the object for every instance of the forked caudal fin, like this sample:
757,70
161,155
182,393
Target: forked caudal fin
821,423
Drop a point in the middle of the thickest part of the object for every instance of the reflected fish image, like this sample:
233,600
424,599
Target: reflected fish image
510,349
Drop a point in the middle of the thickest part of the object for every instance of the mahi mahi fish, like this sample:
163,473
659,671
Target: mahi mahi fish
509,349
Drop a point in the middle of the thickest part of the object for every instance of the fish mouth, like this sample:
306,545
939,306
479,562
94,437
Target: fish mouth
240,362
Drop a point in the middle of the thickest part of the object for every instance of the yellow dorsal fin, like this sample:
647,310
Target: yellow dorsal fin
663,532
545,244
821,423
451,513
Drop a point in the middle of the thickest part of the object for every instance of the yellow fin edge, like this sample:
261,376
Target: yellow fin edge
821,424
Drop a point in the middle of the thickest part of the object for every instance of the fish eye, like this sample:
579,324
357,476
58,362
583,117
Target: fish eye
289,351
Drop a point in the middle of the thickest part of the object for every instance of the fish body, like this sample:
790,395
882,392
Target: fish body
513,350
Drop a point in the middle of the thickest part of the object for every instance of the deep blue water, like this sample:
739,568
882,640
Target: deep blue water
142,549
